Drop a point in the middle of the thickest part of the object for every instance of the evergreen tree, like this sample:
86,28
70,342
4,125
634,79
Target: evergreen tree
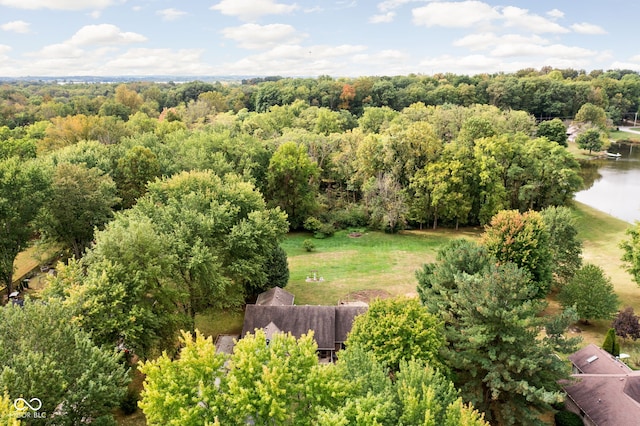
610,343
492,323
277,268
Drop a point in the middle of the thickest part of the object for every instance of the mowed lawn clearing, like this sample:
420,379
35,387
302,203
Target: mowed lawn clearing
373,263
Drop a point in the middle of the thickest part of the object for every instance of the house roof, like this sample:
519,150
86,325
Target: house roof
606,390
608,399
345,315
275,297
330,324
594,360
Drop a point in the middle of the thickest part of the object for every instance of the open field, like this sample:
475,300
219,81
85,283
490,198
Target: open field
372,262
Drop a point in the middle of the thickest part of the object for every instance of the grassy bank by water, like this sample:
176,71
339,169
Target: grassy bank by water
601,235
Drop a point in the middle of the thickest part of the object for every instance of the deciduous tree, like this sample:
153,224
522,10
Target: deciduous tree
386,203
279,382
291,182
591,139
592,294
23,189
590,113
135,169
627,324
81,200
47,356
522,238
631,249
565,247
554,130
398,329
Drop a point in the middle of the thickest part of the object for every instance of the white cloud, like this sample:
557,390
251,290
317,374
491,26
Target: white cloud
142,61
59,4
270,35
301,60
522,19
108,61
392,61
555,13
170,14
387,5
378,19
586,28
104,34
478,64
622,65
58,51
462,14
4,49
554,51
249,10
484,41
76,53
20,27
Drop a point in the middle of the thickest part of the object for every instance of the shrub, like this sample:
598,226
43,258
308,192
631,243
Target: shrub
352,216
325,230
567,418
308,245
312,224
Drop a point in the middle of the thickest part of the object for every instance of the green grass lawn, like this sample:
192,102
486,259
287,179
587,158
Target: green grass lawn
620,135
372,263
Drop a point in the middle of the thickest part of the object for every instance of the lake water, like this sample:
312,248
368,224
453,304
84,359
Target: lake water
614,184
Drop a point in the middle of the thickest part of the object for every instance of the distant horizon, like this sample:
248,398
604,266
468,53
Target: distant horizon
227,77
340,38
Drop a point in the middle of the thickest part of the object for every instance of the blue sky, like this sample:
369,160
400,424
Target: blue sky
311,38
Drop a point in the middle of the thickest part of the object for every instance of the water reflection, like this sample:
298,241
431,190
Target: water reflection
613,185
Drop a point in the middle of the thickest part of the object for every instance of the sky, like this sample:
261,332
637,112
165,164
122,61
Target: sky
308,38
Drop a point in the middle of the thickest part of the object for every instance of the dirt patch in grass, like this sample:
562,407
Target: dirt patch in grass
366,296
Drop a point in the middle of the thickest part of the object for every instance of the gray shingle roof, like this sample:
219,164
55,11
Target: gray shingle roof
275,297
330,324
607,390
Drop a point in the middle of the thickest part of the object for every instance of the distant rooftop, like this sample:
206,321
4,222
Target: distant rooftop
594,360
605,390
275,297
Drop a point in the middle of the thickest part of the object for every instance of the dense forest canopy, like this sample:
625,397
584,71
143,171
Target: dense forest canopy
170,199
544,93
